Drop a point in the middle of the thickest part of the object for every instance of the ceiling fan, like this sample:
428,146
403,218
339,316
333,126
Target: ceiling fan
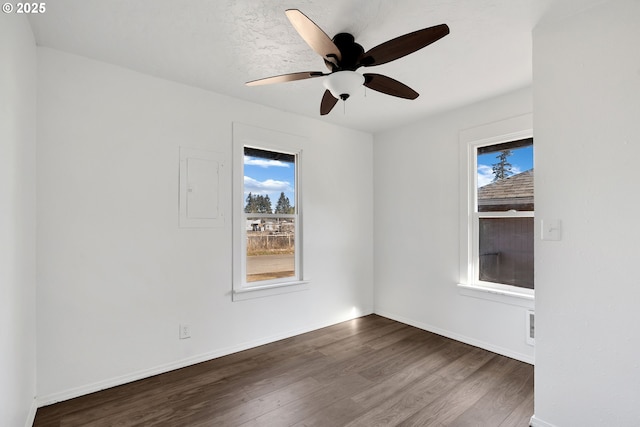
343,56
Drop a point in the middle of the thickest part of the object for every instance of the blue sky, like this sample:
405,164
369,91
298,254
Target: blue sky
521,160
269,177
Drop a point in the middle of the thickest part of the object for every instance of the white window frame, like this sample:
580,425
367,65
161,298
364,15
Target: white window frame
264,139
513,129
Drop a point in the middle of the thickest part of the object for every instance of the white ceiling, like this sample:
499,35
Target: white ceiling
218,45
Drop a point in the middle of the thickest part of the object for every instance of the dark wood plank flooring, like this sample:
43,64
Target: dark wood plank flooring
370,371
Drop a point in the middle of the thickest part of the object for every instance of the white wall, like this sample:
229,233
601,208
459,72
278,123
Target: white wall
17,221
115,273
587,127
417,240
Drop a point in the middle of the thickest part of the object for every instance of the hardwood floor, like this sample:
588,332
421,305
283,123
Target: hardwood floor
368,372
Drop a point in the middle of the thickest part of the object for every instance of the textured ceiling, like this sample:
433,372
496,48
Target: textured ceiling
220,44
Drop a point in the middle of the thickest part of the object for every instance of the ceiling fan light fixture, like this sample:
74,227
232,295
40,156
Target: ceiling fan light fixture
342,84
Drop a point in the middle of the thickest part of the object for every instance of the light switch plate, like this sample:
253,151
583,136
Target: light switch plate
551,229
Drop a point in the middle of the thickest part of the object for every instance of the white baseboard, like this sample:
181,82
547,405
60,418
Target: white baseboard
467,340
31,416
536,422
52,398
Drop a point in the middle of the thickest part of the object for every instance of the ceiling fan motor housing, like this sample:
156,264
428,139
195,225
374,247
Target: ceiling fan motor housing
350,51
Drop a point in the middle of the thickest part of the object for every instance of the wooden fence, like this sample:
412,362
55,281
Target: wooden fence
260,242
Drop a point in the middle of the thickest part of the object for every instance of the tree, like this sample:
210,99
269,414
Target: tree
258,204
265,206
283,206
250,205
502,169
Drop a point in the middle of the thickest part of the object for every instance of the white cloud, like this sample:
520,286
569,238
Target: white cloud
485,175
270,186
265,163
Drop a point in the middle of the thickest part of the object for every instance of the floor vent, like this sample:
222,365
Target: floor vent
531,329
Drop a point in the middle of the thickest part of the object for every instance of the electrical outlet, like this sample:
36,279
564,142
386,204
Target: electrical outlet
185,331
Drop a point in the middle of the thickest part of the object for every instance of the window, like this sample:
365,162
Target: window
497,211
267,213
503,214
270,227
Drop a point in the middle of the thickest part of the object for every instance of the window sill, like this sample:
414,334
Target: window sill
268,290
512,297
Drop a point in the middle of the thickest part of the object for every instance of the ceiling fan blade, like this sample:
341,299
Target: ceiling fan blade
403,45
285,78
389,86
319,41
328,102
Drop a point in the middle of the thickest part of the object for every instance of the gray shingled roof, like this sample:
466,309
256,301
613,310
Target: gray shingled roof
514,190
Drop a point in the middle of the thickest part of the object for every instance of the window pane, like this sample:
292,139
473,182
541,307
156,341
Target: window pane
269,181
506,251
505,177
270,248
